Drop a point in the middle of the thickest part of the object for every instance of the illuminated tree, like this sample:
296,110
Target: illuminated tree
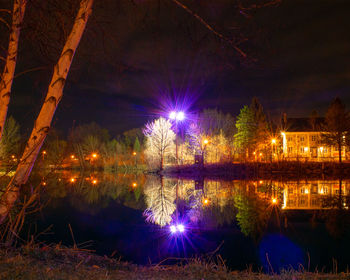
7,76
43,121
160,200
337,126
244,138
159,141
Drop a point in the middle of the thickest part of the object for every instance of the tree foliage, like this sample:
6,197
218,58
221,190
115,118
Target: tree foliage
159,141
10,141
337,126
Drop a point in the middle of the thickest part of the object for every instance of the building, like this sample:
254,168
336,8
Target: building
301,140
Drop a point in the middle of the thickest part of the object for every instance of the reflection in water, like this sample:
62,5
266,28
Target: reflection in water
160,200
130,206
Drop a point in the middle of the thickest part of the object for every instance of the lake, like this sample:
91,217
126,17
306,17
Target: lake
264,225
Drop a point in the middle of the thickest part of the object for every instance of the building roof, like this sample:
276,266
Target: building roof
303,124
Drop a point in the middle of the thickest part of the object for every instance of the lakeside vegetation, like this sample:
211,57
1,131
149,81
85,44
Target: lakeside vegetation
45,262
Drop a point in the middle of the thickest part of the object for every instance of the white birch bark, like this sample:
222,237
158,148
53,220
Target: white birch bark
43,122
19,7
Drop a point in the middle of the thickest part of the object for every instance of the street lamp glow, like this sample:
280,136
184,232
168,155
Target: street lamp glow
273,141
205,141
172,115
180,116
274,200
94,155
181,228
173,229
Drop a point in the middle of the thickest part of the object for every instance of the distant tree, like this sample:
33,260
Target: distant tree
260,122
10,141
212,122
137,146
244,138
337,126
159,141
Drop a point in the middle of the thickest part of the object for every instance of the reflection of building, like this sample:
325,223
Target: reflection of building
309,195
302,140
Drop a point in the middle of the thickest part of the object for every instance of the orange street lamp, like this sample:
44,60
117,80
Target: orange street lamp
94,155
94,181
274,200
134,153
273,141
134,185
205,201
205,141
72,180
72,157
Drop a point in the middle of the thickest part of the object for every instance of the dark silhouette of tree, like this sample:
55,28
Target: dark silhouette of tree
337,126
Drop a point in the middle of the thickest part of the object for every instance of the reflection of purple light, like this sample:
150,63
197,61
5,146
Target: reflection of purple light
177,228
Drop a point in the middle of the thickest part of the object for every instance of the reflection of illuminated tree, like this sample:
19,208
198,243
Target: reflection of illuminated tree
160,197
252,214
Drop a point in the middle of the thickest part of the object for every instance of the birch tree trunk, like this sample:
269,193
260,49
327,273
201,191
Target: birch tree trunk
19,7
43,122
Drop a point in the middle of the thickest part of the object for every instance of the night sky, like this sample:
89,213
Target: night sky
137,58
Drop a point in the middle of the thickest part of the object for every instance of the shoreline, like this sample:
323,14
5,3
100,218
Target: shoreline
283,170
55,262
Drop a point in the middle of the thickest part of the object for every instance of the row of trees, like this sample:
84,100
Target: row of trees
218,137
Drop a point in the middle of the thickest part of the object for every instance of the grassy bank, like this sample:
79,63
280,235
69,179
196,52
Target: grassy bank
262,170
57,263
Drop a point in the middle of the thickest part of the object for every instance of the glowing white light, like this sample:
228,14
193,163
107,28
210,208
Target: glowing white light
180,116
172,115
181,228
173,229
306,149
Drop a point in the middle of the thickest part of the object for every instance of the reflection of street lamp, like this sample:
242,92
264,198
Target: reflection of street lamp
134,155
176,116
44,153
274,200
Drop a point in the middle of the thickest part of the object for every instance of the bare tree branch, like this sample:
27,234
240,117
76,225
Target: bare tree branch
209,27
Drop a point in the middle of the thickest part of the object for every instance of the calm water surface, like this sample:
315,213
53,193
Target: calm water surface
249,223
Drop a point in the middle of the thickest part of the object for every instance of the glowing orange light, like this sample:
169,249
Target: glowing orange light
134,153
260,182
260,154
134,184
254,153
44,152
94,155
94,181
205,201
44,183
12,156
205,141
72,180
274,200
273,141
72,156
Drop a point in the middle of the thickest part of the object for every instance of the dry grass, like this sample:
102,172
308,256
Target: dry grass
55,262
